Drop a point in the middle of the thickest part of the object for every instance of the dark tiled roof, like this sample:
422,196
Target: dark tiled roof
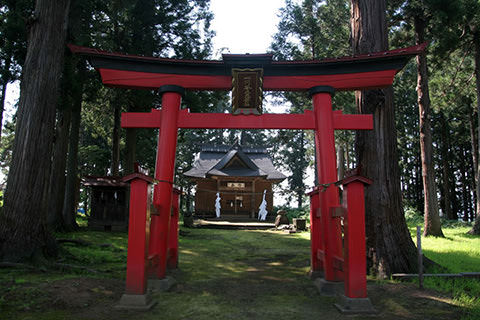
104,181
234,161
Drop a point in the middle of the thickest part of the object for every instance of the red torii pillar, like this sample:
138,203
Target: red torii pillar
327,174
164,173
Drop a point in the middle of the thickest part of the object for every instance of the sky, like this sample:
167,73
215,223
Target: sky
244,26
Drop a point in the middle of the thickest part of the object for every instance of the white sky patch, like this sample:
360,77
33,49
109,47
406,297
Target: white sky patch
11,99
245,26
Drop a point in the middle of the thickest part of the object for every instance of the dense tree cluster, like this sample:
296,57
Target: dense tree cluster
423,154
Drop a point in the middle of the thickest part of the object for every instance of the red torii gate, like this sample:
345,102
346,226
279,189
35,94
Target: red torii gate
321,78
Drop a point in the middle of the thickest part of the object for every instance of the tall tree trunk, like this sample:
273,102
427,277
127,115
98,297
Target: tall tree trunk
340,162
476,225
419,184
464,183
116,140
57,176
347,157
447,185
23,231
433,225
474,142
301,188
131,146
5,80
71,185
389,245
2,105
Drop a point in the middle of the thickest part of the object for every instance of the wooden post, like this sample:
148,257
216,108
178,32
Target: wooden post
355,259
136,282
420,257
355,299
252,210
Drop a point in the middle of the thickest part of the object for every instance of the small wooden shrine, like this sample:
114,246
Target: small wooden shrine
239,174
108,203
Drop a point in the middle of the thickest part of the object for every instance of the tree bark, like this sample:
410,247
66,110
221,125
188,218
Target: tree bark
2,105
473,141
23,231
476,226
446,183
57,177
301,191
389,245
340,162
131,153
432,222
71,185
464,184
116,140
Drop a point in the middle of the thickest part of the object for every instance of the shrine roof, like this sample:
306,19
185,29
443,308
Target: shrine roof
103,181
343,73
234,161
247,58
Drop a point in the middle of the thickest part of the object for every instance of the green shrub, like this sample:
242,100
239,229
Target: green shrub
413,217
302,213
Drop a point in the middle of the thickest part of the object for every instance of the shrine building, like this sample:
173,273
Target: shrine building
239,174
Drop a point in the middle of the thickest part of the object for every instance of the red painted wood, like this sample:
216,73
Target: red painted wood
316,264
327,173
136,282
265,121
138,175
355,266
172,260
147,80
189,120
341,82
151,119
164,173
352,121
153,246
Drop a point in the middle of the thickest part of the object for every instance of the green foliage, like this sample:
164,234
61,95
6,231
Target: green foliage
413,216
450,29
6,146
299,213
307,30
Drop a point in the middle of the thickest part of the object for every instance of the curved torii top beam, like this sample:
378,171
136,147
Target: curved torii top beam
374,70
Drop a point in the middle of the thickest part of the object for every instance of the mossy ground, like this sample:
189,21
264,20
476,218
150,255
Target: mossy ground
224,274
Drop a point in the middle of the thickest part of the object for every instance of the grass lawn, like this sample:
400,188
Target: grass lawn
223,274
457,252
